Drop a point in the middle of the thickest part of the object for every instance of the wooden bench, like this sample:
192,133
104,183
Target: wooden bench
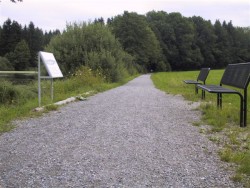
201,79
235,75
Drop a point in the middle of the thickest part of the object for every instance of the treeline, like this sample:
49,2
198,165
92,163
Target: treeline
128,43
19,45
160,41
191,43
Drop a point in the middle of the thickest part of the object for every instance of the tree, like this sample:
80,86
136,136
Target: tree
205,39
34,38
99,20
164,32
177,38
21,56
49,35
11,34
242,41
222,48
138,39
14,1
92,45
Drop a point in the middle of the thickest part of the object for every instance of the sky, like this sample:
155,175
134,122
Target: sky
55,14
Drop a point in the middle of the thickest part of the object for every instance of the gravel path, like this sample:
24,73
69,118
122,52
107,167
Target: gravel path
130,136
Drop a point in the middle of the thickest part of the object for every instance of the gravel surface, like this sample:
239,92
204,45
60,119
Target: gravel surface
130,136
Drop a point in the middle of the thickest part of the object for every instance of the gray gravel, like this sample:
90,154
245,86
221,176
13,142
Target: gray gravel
130,136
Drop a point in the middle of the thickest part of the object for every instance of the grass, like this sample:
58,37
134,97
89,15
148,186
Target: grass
224,123
23,99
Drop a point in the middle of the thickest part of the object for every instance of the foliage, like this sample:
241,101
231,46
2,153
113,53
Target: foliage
21,56
35,40
157,41
192,43
14,1
138,39
51,107
12,33
5,64
16,95
91,45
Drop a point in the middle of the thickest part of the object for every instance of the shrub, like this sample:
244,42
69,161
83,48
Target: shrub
94,46
16,94
5,65
8,93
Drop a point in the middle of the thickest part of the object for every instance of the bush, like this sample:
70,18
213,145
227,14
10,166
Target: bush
11,94
94,46
8,93
5,65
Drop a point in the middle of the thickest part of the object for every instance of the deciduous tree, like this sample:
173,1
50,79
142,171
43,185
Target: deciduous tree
138,39
91,45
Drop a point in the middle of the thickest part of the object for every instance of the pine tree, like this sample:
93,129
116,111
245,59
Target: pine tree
11,34
21,56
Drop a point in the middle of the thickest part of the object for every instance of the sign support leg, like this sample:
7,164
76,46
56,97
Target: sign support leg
51,90
39,81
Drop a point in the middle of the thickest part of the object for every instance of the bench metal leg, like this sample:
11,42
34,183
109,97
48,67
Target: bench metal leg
245,108
242,112
196,89
203,94
219,100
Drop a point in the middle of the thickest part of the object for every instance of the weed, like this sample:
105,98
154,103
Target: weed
197,123
51,107
215,139
225,154
237,177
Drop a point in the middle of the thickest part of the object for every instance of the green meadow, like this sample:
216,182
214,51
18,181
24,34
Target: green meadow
223,123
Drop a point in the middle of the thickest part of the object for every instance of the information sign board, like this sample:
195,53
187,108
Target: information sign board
51,65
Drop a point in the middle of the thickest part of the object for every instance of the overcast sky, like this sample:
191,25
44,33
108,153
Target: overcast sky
54,14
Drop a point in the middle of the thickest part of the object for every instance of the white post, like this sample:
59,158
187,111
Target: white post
51,90
39,80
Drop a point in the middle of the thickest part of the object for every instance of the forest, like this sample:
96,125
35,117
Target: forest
128,43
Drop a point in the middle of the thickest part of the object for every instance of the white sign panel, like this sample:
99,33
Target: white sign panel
51,65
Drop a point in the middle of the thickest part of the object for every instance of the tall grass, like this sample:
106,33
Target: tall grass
19,101
224,122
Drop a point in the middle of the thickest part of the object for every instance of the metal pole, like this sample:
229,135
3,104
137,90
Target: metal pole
245,107
51,90
39,80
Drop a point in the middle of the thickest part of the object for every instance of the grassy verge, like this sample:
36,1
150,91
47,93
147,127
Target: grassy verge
19,101
224,124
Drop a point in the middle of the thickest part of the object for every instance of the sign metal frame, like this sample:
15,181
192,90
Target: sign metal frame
52,69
